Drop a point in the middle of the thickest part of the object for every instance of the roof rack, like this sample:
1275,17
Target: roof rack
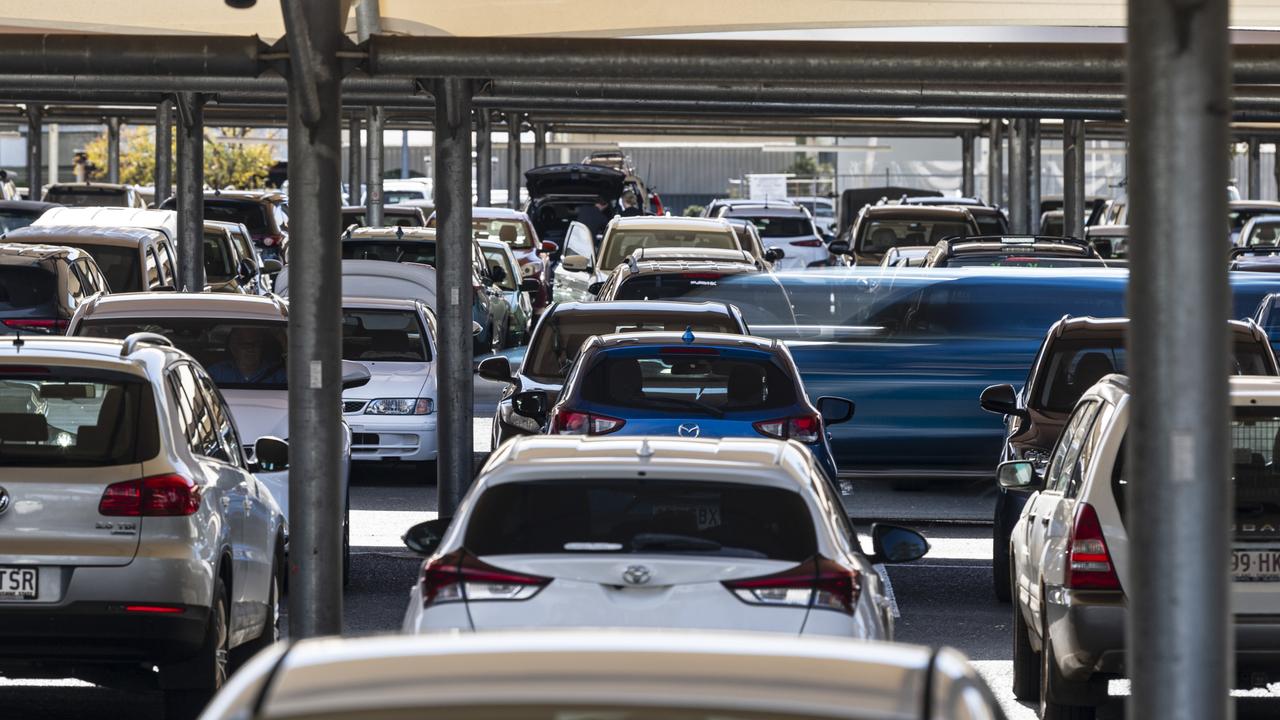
132,342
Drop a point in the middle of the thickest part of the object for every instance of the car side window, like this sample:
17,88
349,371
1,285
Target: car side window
153,268
1066,454
91,272
578,242
194,415
225,428
165,257
1092,438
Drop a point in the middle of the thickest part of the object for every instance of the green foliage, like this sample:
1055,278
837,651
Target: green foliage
694,211
239,162
808,166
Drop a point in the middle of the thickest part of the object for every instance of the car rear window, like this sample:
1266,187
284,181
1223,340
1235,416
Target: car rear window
118,264
558,339
621,243
390,250
675,379
512,232
243,354
779,227
1255,445
395,197
26,287
79,417
880,235
650,516
252,214
990,225
88,196
665,286
383,336
14,219
1030,260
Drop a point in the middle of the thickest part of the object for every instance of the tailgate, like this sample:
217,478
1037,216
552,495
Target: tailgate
53,517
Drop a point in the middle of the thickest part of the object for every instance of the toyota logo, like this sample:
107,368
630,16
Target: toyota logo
5,502
636,575
692,431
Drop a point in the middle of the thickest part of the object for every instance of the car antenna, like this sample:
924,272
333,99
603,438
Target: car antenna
399,232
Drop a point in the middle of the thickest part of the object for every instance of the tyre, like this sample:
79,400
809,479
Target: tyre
1026,661
1001,580
1059,696
206,672
271,630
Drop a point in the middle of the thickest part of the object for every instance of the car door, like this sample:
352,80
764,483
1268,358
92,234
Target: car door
572,286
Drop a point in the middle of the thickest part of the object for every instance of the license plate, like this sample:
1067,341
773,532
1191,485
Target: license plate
1255,565
21,583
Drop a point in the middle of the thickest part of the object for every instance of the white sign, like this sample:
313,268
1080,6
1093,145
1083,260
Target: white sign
772,186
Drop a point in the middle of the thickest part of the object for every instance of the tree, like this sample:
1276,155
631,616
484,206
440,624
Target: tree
237,163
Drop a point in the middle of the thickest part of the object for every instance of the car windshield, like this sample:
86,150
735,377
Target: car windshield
1264,233
118,264
218,263
497,258
619,244
253,215
383,336
414,251
558,339
26,287
238,354
1239,216
880,235
395,197
52,416
80,196
512,232
1030,259
779,227
701,380
653,517
14,219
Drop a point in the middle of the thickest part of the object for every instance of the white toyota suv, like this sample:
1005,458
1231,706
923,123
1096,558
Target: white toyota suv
1070,560
135,542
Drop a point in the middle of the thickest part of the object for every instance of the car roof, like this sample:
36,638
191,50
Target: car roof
25,254
919,212
637,451
398,232
1096,327
722,267
1254,205
360,301
168,304
664,222
95,352
93,185
704,339
90,234
660,254
497,213
1255,389
395,209
728,671
1018,244
622,307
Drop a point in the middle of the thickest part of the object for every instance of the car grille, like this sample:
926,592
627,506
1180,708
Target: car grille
353,406
364,438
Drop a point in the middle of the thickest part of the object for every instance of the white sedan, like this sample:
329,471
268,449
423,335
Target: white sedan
730,534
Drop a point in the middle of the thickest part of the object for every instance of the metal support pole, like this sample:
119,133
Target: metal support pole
1180,642
1255,168
368,19
353,160
374,155
967,184
404,154
113,149
1019,213
995,162
190,192
164,151
1033,175
452,168
484,159
35,164
1073,178
53,159
539,144
515,179
316,499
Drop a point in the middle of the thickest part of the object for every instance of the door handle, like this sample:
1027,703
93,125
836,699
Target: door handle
226,503
1044,520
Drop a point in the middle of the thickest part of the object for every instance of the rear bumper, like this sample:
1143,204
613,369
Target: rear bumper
85,632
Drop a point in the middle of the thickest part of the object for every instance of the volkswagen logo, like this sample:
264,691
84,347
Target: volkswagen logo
5,502
692,431
636,575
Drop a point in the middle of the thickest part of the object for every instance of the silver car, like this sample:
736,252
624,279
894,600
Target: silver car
136,545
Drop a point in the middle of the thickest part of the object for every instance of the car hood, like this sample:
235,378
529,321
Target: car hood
259,412
391,380
574,179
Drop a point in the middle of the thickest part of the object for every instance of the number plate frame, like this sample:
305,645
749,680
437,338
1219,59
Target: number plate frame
1255,565
19,583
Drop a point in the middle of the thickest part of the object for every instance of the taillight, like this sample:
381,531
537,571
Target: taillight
805,428
572,422
460,576
156,496
1089,564
817,582
37,325
272,240
807,243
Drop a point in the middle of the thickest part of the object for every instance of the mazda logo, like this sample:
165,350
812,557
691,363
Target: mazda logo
636,575
692,431
5,502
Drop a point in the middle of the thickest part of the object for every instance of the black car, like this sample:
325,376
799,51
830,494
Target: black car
557,192
41,286
1075,354
265,214
1013,251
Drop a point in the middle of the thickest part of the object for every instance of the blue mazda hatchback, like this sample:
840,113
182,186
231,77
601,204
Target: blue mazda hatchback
713,385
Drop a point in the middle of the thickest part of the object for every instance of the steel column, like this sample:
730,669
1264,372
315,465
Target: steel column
52,156
453,300
515,178
484,158
368,19
316,501
967,183
1073,198
190,192
1179,650
995,162
1033,175
404,154
164,150
539,144
35,163
1019,213
353,160
113,149
1255,168
374,157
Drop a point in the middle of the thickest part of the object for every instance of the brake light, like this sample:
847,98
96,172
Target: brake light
461,576
572,422
817,582
805,428
155,609
156,496
272,240
37,325
1089,564
807,243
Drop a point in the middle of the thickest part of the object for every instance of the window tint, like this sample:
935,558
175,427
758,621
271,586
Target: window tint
668,517
1064,463
236,353
778,227
74,288
194,418
664,286
219,265
251,214
82,196
417,251
121,265
671,379
990,225
621,243
383,335
222,424
498,258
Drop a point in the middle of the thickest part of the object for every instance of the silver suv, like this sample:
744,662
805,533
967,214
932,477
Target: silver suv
135,541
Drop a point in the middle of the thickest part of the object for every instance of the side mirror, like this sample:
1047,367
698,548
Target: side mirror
271,453
594,288
498,273
838,247
354,375
496,368
575,263
896,544
1019,475
271,266
476,329
530,285
424,538
531,404
1002,400
774,254
247,268
550,247
834,410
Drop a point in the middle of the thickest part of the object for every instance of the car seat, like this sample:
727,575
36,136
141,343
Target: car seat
625,381
882,239
508,234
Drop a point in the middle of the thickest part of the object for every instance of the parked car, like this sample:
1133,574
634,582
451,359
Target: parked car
654,532
792,230
256,276
16,214
659,273
1259,258
643,675
1261,230
823,210
264,213
1075,354
503,270
1052,222
750,241
392,216
392,418
717,208
564,327
514,228
991,220
133,259
144,550
880,227
93,194
1071,562
557,192
398,191
1111,242
42,285
241,341
1241,212
1013,251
